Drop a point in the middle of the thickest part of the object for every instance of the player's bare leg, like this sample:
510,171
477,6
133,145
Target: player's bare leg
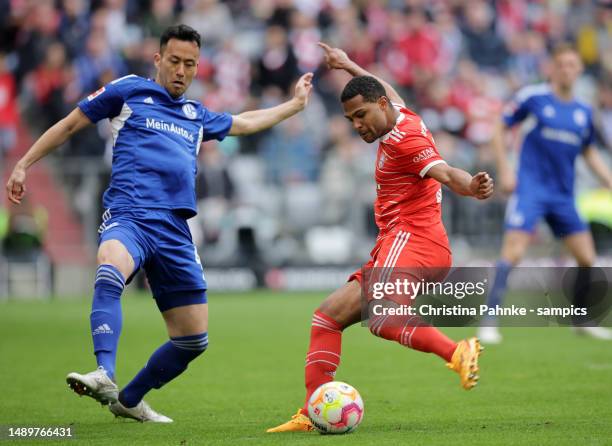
187,320
113,252
514,247
344,304
339,310
582,247
115,264
188,331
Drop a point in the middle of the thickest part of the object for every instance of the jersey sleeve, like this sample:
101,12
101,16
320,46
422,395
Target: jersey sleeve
518,108
589,136
104,103
418,154
216,125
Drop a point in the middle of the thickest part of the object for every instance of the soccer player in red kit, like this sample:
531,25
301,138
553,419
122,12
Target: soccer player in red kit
409,177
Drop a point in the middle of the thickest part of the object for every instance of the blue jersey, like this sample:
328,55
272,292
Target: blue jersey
558,132
156,140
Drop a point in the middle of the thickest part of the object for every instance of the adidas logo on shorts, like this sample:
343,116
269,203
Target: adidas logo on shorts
102,329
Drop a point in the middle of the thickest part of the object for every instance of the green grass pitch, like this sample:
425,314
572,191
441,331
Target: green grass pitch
542,386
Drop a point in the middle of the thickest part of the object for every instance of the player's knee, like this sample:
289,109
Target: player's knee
512,255
333,312
192,346
585,261
343,306
113,252
327,309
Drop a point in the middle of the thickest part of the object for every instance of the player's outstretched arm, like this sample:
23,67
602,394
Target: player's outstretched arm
335,58
479,186
255,121
49,141
598,166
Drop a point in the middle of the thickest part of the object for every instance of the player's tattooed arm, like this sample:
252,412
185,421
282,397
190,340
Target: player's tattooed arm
255,121
479,186
57,135
335,58
598,166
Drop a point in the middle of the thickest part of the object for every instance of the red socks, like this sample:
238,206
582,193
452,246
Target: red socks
418,337
323,355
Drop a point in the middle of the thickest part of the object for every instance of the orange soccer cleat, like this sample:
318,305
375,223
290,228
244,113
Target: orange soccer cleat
298,423
465,362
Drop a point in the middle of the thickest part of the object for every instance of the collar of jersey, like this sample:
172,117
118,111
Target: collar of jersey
399,119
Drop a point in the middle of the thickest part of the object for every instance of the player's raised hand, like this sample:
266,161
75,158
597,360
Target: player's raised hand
335,58
303,88
481,186
15,187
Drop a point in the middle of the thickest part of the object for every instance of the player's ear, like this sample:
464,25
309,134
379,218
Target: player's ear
157,60
383,102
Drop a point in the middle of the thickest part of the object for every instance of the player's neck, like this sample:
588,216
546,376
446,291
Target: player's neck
566,94
392,120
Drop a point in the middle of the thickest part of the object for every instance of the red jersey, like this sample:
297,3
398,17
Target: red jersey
408,204
404,195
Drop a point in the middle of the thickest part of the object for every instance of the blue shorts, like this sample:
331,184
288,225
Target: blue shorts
160,242
525,211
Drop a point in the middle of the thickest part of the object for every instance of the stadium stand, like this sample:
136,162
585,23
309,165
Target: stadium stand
455,62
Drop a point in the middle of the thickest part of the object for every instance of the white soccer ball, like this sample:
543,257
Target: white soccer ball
335,408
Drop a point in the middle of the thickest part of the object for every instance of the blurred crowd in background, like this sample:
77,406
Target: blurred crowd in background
303,191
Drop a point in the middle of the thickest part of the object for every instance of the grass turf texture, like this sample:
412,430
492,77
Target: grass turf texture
541,386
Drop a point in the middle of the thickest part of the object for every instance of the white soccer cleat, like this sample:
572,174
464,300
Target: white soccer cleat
95,384
141,412
595,332
489,335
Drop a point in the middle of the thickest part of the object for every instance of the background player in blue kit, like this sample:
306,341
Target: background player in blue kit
157,135
561,129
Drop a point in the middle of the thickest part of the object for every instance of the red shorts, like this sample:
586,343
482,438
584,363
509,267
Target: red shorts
401,248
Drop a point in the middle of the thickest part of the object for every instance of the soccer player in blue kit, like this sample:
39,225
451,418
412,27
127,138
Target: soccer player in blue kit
561,128
156,138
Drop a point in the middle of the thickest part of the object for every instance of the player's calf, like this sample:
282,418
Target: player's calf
410,332
166,363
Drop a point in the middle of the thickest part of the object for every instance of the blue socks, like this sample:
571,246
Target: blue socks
105,318
168,362
496,295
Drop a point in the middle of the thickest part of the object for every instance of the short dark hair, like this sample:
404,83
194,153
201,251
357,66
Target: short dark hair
366,86
562,48
180,32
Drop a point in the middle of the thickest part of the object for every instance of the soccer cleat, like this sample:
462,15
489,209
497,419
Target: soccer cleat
465,362
298,423
95,384
489,335
595,332
141,412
